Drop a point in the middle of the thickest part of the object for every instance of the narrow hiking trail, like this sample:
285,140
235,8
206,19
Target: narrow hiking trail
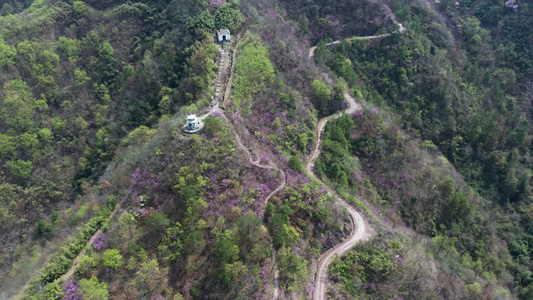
360,231
90,242
221,93
280,187
215,107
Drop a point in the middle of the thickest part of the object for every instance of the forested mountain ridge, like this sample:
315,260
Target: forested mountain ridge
77,78
94,94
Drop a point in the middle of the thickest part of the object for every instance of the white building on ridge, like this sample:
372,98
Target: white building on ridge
223,35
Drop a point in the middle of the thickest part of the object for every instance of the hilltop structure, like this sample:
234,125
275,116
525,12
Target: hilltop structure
194,124
223,35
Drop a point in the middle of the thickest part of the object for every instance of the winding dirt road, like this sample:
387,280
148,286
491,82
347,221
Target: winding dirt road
401,29
360,233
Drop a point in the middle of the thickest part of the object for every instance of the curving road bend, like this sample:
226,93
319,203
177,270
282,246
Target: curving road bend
360,233
401,29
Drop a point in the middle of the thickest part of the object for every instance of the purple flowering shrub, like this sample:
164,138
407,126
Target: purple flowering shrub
99,243
71,290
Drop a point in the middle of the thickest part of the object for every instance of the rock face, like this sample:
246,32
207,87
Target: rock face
511,4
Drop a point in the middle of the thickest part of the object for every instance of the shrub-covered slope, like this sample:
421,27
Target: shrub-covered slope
103,195
447,89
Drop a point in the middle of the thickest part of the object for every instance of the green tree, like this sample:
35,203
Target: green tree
7,53
172,243
278,226
94,290
447,187
107,51
228,16
225,250
44,229
7,145
303,25
253,68
20,168
458,207
150,279
338,175
86,265
126,221
527,292
156,224
81,77
321,94
80,8
69,48
474,290
112,258
292,267
16,106
203,22
44,135
295,163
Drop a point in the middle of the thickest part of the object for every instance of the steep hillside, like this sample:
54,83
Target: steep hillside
412,137
175,218
76,78
443,89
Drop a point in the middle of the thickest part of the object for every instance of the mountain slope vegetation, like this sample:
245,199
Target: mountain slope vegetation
102,195
442,88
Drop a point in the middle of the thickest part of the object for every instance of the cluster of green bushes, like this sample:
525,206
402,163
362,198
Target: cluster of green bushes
46,284
253,71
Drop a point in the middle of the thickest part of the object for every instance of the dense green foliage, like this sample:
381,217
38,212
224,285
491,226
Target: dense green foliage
94,290
254,70
229,16
463,96
91,101
76,77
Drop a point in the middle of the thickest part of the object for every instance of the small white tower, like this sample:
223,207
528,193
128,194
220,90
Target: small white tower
194,124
